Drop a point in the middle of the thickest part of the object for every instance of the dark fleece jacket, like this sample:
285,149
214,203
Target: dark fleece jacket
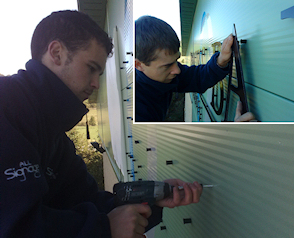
152,98
45,189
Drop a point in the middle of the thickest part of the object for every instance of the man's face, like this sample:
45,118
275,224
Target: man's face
81,73
163,69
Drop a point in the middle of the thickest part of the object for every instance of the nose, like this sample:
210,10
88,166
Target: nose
95,82
175,69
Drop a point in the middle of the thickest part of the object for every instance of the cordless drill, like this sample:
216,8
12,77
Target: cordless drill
145,192
142,192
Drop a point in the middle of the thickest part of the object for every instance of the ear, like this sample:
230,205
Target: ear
55,52
139,65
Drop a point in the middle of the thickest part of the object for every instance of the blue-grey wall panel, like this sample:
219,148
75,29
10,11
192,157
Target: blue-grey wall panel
128,122
269,107
128,41
267,57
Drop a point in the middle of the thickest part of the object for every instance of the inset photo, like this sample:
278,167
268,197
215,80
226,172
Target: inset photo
202,61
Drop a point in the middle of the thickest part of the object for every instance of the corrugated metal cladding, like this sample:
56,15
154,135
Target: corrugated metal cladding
119,21
267,57
251,166
127,86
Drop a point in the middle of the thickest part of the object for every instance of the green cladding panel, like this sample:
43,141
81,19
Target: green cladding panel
251,166
267,57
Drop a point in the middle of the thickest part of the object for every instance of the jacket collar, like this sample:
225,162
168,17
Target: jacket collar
63,110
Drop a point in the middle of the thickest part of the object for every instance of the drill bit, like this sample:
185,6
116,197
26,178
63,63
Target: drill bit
207,185
203,186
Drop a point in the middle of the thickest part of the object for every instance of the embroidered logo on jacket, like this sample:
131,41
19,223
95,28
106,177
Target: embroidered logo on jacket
25,167
51,174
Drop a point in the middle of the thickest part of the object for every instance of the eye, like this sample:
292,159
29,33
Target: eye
92,69
168,65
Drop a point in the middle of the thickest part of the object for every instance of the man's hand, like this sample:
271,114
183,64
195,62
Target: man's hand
246,117
226,52
129,221
190,194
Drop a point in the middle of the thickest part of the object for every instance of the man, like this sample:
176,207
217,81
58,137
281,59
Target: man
158,74
46,190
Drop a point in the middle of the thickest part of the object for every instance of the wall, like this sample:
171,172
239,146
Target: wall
251,167
267,57
115,93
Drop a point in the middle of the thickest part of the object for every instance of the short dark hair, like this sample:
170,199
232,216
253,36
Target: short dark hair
72,28
154,34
